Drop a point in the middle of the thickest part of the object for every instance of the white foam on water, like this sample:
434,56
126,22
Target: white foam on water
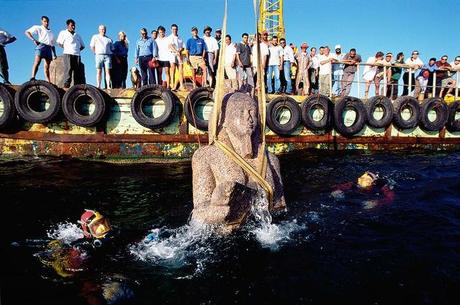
66,232
174,246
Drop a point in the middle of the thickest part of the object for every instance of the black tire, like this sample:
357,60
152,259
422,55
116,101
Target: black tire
144,94
401,103
9,112
361,116
440,107
314,102
453,124
35,91
273,109
196,96
383,102
82,93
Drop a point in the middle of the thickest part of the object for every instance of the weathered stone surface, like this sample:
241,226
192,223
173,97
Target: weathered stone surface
222,191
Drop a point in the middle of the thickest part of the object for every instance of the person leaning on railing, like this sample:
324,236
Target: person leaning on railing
415,63
370,73
396,70
351,61
443,78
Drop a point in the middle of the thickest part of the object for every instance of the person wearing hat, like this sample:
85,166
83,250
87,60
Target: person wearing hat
218,37
368,185
303,64
211,54
196,51
337,70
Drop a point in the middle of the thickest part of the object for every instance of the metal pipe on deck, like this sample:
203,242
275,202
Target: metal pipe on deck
434,84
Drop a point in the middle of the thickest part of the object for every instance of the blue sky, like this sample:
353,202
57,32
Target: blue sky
426,25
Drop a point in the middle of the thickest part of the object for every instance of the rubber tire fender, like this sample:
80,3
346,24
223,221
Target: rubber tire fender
320,101
452,123
440,107
9,111
360,119
69,105
194,97
146,92
400,103
385,103
272,111
22,96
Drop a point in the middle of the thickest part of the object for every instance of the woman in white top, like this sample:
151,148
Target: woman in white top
370,71
176,46
44,46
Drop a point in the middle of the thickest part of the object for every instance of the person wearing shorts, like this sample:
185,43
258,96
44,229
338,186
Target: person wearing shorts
102,47
176,46
44,46
196,50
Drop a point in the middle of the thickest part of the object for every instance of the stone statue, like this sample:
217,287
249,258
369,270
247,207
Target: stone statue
222,191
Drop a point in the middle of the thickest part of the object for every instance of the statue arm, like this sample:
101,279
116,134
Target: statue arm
203,180
279,202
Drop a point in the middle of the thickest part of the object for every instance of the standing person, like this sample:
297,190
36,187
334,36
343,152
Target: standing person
380,73
264,53
274,65
146,51
102,47
303,66
370,73
337,70
5,38
73,45
44,46
453,72
176,46
120,61
388,62
230,62
288,59
196,51
313,71
154,34
443,79
164,55
415,62
267,44
396,71
211,54
243,58
218,37
325,70
351,60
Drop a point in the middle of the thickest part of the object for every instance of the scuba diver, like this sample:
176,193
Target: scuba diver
370,185
87,254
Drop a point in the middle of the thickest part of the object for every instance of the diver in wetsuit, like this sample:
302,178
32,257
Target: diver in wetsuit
370,185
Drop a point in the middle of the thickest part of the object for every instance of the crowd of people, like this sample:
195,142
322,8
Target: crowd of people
160,59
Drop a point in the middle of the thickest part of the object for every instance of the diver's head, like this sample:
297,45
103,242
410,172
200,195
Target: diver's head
367,180
94,224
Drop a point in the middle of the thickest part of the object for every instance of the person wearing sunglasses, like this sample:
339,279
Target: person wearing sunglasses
443,79
415,63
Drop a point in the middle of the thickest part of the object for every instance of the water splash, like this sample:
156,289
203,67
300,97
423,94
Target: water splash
66,232
268,234
175,247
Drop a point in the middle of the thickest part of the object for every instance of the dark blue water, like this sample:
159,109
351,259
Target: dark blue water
334,251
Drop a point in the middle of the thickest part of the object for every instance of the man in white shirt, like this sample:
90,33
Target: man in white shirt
102,47
313,71
5,38
275,62
230,62
455,69
288,59
176,46
264,53
164,55
44,46
415,62
337,70
325,70
72,44
211,54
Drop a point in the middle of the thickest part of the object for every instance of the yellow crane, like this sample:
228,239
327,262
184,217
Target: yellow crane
271,18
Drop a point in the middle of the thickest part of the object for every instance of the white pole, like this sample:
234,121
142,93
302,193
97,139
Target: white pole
456,87
385,81
410,82
359,87
434,84
330,84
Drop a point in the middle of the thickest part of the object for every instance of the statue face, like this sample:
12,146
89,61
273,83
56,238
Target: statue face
241,115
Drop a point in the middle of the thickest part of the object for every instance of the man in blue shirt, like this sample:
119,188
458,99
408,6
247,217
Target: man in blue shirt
196,50
146,52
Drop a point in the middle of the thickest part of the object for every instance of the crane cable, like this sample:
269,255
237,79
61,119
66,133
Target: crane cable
259,174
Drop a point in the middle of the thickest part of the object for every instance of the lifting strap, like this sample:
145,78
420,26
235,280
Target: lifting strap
258,174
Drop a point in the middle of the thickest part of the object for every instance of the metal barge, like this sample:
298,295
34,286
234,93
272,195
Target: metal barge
119,135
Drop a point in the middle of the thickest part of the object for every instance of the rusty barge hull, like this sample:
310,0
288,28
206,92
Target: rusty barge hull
121,137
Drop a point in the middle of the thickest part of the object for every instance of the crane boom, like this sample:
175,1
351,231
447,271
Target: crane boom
271,18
